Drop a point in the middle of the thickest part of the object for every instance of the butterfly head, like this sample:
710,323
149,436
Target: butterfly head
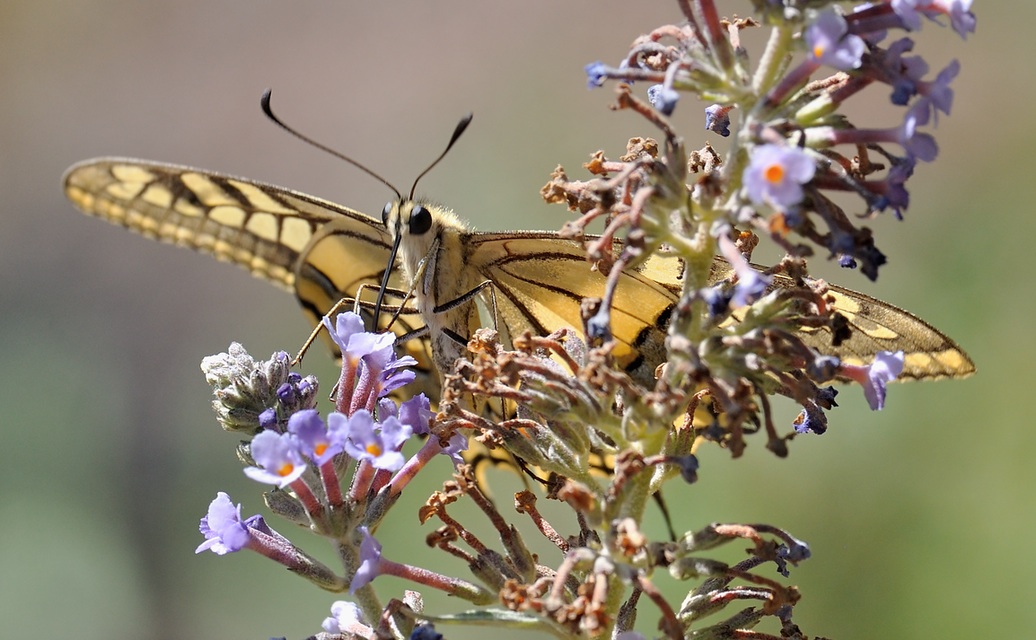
416,227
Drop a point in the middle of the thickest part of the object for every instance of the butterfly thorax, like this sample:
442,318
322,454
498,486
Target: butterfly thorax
432,256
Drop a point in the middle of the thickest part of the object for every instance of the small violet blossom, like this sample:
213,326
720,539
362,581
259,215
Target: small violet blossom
831,43
312,436
278,458
417,413
370,367
873,378
458,442
370,559
345,619
224,530
596,74
663,98
386,370
751,284
364,439
355,343
717,118
776,173
962,20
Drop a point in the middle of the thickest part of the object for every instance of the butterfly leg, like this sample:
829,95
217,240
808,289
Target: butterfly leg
320,326
363,308
462,299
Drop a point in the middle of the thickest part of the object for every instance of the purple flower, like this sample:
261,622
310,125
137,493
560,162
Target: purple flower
885,368
352,340
279,459
831,43
919,145
775,175
596,74
311,434
268,419
891,192
663,98
370,558
962,20
902,72
364,439
751,284
416,413
907,12
938,93
223,528
370,367
386,371
345,617
717,119
457,443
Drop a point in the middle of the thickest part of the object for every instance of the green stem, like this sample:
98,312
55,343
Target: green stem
772,60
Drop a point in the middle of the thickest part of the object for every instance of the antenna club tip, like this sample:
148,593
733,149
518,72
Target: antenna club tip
264,102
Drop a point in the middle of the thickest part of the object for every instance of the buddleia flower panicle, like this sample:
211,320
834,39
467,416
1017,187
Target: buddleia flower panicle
305,457
583,412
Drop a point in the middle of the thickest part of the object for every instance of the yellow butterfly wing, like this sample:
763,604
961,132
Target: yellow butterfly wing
326,252
320,250
877,326
540,280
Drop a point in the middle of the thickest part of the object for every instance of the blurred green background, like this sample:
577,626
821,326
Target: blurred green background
917,515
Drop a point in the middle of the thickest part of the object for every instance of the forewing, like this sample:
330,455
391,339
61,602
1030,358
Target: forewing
320,250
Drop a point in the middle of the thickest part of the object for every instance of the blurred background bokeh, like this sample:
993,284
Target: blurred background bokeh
918,516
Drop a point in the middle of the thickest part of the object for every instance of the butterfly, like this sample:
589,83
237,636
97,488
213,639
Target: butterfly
325,252
531,280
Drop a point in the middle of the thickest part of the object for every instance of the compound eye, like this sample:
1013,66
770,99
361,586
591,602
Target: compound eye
420,220
385,213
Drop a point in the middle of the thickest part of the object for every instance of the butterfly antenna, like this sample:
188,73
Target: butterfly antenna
265,103
461,126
